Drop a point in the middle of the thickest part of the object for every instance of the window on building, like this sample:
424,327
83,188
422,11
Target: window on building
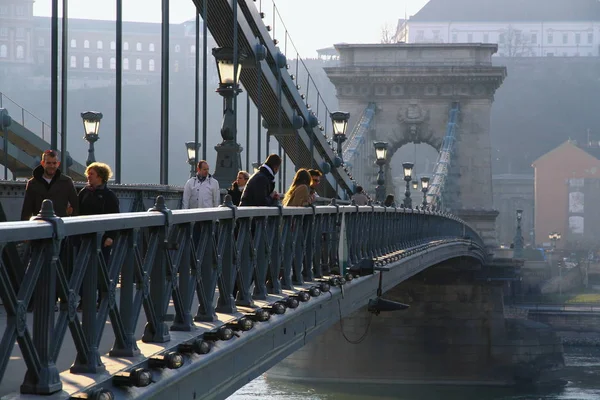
177,48
3,10
20,10
20,52
454,37
3,51
420,35
564,54
578,38
99,63
138,46
590,37
3,32
486,38
436,35
73,43
73,62
113,63
193,49
86,62
534,38
590,54
86,44
565,38
138,65
151,47
99,44
151,65
501,38
549,54
20,32
125,45
470,38
113,45
41,42
550,38
126,63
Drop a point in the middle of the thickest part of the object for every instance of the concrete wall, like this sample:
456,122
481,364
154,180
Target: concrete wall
568,321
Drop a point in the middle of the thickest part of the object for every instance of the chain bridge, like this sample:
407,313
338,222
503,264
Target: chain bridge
196,303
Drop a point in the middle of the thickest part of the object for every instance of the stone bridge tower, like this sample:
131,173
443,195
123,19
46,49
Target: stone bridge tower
413,87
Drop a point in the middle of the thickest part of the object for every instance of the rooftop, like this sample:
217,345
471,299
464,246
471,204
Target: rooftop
508,11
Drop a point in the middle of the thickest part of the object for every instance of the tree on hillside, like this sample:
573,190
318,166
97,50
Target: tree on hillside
513,42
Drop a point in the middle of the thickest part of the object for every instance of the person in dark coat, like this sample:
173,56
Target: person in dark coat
96,198
48,182
260,189
237,187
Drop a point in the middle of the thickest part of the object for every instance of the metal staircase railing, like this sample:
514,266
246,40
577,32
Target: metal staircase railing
25,118
440,173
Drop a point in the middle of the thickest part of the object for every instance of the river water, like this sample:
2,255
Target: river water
581,374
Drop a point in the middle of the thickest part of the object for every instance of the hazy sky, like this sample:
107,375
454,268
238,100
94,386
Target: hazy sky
312,24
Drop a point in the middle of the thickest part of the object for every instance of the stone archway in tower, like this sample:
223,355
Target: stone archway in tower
424,157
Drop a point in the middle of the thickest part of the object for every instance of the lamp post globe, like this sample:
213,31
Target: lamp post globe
91,126
339,121
229,161
424,189
192,154
407,167
380,159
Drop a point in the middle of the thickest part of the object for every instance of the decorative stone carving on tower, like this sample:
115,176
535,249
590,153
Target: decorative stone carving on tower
414,86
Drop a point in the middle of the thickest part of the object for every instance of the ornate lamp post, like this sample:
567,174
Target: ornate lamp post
340,124
381,158
192,152
229,161
424,189
91,125
554,237
407,167
518,240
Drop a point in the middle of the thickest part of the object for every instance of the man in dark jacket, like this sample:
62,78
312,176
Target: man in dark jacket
48,183
260,189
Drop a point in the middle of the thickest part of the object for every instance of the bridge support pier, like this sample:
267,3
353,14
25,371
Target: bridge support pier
484,223
455,332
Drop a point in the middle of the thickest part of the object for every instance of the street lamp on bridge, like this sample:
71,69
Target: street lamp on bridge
554,237
340,124
424,189
192,153
381,158
229,162
91,126
518,240
407,168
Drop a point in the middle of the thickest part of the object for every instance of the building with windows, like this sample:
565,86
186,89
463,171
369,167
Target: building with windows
522,28
25,46
17,33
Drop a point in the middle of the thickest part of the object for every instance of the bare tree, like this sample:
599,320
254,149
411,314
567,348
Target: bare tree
387,34
514,43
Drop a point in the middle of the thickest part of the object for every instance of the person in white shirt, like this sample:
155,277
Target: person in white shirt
201,191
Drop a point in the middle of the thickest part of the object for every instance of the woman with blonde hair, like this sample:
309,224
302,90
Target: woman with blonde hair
298,195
